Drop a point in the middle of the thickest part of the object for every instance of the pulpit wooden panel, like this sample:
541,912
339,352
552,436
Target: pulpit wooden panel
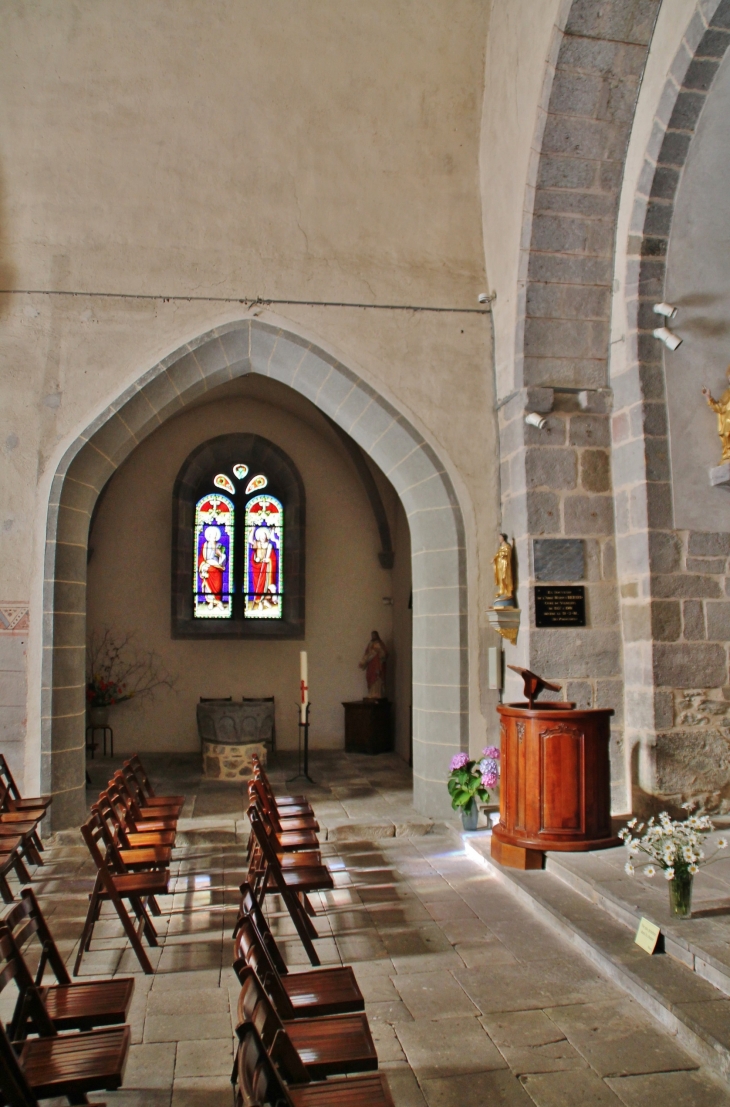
556,780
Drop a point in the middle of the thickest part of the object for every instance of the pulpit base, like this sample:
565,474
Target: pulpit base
516,857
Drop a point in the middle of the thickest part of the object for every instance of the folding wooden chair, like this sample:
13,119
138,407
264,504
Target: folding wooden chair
287,841
307,995
23,823
256,1081
290,884
55,1065
138,888
155,807
337,1045
11,859
281,801
285,809
114,814
139,771
281,820
135,825
69,1005
133,858
14,801
163,815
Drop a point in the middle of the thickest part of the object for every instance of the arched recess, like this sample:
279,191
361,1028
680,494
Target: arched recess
651,555
440,658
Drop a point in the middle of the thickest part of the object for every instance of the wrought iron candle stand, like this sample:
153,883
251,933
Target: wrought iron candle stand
303,761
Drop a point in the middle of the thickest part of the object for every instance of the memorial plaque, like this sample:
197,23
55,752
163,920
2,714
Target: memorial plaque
559,558
560,605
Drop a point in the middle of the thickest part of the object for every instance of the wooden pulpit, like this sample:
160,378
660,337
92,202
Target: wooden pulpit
555,791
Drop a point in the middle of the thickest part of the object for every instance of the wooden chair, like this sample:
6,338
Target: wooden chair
290,884
139,771
281,801
54,1065
162,815
154,807
11,859
113,812
281,820
134,858
287,841
26,832
14,801
337,1045
308,995
24,823
285,809
138,888
69,1005
257,1081
122,804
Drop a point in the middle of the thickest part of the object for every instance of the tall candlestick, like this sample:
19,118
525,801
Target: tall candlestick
303,686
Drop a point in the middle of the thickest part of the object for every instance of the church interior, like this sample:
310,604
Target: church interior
365,553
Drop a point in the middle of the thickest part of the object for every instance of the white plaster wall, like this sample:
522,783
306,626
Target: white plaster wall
518,48
129,577
296,150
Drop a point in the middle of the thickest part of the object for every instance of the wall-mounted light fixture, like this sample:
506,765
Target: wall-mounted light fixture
534,419
486,297
671,341
667,310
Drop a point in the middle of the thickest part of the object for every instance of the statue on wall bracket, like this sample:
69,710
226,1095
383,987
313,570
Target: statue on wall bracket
722,408
504,615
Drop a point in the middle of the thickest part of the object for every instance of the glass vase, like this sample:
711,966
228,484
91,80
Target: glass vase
470,816
680,895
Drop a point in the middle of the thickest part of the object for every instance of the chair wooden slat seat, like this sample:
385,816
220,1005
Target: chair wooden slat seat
71,1006
153,804
317,1048
84,1062
312,994
14,800
129,839
259,1081
11,861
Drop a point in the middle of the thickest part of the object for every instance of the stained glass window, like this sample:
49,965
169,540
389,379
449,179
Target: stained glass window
222,481
213,569
256,484
240,471
263,584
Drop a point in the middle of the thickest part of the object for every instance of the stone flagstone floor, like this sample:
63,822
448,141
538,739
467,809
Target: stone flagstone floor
470,999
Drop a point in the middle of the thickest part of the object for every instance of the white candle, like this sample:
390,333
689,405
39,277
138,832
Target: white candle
303,686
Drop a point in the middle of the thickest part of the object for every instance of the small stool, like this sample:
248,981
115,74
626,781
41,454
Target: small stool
92,746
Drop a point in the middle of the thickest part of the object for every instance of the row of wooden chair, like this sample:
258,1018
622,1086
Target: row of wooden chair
130,834
80,1040
20,840
297,1031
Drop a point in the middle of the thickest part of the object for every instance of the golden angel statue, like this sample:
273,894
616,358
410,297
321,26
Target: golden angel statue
503,574
722,407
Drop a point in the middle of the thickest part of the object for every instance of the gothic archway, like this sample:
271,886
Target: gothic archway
440,658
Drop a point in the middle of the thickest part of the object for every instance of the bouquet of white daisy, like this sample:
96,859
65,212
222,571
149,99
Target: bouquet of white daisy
674,845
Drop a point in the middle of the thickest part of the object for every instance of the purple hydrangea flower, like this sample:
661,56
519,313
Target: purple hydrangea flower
459,761
489,779
491,752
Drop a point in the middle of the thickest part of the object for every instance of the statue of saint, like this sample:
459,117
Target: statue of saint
373,662
722,407
503,575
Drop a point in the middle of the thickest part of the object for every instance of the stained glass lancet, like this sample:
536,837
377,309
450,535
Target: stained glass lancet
263,584
213,569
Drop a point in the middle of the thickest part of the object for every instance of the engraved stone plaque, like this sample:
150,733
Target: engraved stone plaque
559,558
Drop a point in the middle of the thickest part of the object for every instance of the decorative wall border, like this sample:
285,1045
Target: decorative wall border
14,617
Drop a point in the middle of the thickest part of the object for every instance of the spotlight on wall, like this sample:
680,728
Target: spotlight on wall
667,310
534,419
671,341
486,297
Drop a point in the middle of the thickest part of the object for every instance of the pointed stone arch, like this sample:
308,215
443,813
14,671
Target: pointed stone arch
440,657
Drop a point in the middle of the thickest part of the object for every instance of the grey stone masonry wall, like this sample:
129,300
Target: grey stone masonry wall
590,111
556,482
674,597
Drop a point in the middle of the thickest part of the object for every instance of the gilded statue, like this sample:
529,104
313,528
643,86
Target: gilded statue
503,574
722,408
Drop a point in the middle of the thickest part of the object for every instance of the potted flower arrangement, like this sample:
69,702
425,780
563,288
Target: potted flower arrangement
469,781
674,845
117,670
